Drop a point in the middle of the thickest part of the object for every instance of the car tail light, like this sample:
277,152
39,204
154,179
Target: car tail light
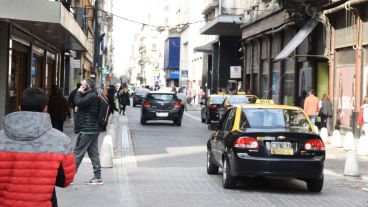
314,144
146,104
214,106
177,104
246,143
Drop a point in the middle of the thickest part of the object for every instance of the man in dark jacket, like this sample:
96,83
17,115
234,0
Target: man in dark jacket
86,127
34,156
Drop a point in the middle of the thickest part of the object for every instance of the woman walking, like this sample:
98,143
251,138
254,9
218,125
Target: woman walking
124,99
325,112
59,110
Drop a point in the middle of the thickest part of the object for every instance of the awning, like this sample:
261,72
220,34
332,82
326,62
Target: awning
297,39
207,48
48,20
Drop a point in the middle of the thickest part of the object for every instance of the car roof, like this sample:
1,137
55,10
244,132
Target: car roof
268,106
161,92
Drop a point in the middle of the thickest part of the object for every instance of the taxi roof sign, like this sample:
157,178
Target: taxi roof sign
264,101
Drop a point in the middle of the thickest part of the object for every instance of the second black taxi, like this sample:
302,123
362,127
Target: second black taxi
266,140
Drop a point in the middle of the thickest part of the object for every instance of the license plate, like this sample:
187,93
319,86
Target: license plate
281,148
162,114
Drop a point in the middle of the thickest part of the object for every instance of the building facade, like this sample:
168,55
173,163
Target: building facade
35,48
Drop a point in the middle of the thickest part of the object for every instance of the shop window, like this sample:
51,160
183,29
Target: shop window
345,56
17,76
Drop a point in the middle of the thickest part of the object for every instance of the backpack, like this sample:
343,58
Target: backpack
103,111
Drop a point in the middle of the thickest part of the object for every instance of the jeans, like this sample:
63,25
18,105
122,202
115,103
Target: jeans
313,119
88,143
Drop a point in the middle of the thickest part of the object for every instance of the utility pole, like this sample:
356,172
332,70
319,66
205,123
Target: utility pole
96,53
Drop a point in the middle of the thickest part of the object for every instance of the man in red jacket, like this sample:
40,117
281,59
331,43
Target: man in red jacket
34,157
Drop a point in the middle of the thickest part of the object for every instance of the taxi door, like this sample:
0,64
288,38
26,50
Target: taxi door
225,126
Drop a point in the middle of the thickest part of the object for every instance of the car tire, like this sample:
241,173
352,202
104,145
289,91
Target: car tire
177,122
212,169
228,181
203,119
315,185
143,121
208,120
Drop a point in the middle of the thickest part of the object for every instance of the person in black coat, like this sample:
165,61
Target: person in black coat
124,99
86,127
111,91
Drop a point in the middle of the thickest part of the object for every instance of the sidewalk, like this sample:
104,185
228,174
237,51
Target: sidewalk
336,158
115,190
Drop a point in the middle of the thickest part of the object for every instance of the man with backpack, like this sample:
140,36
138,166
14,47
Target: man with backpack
87,127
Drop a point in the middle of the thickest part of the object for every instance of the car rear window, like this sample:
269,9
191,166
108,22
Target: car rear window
217,99
161,97
274,118
238,99
141,92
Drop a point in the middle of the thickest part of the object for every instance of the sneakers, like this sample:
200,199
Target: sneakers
95,181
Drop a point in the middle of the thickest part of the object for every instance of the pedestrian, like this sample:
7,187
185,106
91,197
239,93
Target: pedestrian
311,106
34,157
124,99
86,128
72,95
58,108
173,89
301,99
325,112
111,96
183,100
363,116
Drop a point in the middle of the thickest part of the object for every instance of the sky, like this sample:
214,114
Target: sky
124,31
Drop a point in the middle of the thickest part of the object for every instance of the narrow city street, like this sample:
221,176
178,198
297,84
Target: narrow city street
169,170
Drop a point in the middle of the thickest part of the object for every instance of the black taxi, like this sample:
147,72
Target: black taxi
266,140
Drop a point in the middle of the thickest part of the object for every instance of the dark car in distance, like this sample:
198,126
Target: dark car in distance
161,106
211,106
269,141
231,100
139,95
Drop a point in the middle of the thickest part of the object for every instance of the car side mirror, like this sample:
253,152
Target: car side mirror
212,127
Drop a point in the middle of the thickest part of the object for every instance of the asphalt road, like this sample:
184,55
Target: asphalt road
169,170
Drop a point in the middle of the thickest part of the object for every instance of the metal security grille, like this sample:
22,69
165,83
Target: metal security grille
365,33
345,37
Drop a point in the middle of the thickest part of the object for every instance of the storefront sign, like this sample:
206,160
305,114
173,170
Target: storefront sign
184,73
235,72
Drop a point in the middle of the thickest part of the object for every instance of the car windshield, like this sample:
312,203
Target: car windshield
161,97
238,100
217,99
274,118
141,92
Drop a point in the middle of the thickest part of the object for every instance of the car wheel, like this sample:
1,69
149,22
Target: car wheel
228,181
177,122
315,185
212,169
143,121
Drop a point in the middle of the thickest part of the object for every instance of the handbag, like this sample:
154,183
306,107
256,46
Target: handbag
320,113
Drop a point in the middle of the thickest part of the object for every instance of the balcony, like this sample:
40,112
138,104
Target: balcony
48,20
223,17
